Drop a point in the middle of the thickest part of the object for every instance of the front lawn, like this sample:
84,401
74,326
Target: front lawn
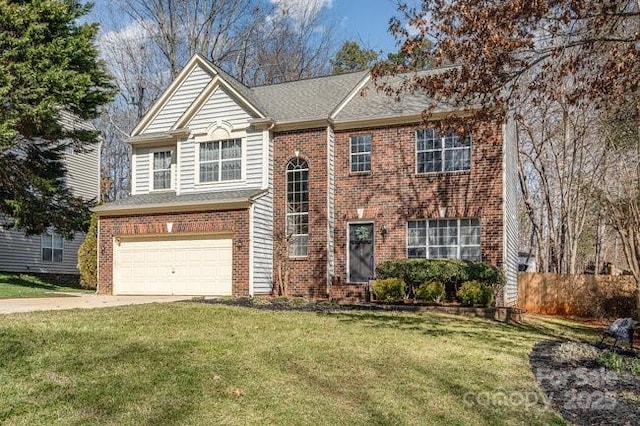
194,363
25,285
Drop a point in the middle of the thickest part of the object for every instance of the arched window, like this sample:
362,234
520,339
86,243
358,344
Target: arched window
298,207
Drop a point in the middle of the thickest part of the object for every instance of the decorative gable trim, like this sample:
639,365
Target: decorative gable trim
196,61
217,83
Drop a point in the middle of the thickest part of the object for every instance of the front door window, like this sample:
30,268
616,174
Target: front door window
360,252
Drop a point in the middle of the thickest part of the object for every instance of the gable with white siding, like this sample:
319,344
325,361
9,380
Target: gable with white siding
179,101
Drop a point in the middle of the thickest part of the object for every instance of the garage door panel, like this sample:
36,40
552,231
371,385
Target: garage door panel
189,266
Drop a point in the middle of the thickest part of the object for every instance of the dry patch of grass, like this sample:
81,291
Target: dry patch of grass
192,363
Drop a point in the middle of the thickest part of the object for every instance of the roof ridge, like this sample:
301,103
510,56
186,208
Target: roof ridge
309,78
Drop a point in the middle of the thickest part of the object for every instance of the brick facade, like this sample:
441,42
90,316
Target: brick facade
232,222
392,193
307,276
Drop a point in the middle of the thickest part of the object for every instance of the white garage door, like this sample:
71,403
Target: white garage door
199,266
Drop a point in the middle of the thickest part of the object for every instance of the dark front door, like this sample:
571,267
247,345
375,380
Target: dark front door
360,252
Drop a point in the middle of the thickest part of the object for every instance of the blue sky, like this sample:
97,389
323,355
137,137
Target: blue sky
365,21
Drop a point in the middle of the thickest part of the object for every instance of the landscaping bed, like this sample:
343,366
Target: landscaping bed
589,385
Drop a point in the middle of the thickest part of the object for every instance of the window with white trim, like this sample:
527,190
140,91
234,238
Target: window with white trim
360,153
444,239
297,226
52,246
442,153
162,161
220,160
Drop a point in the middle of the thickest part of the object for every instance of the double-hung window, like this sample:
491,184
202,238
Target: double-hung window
444,239
162,161
52,247
360,153
442,153
220,160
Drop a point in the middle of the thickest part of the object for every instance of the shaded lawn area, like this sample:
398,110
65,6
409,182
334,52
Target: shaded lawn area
193,363
25,285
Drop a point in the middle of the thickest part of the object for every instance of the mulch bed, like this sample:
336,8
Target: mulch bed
586,393
276,305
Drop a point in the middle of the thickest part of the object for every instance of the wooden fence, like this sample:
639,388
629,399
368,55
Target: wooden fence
595,296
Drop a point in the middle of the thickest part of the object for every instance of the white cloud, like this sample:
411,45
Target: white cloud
298,10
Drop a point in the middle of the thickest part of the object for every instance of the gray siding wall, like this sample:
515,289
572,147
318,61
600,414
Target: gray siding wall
83,173
263,244
141,170
330,204
510,213
23,254
221,107
178,103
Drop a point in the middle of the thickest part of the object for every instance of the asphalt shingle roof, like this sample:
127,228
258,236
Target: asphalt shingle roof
371,103
306,99
170,198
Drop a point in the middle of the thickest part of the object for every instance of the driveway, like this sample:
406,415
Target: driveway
85,301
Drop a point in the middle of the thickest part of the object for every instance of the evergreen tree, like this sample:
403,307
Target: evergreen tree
48,66
351,58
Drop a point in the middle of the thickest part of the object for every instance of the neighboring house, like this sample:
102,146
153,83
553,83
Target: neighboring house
225,176
49,253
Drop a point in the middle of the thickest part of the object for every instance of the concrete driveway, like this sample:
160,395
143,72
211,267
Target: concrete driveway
85,301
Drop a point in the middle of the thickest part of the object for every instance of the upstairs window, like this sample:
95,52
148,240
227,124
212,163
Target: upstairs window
360,154
221,160
444,239
297,226
162,170
442,153
52,247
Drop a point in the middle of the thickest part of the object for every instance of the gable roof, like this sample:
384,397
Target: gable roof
308,99
344,99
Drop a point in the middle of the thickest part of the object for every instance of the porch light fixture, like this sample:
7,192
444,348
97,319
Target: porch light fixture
383,231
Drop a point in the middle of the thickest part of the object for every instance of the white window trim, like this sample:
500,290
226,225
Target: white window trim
442,150
51,236
458,246
152,151
286,214
243,163
351,154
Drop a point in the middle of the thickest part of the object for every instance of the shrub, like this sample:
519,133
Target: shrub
475,293
432,291
88,256
452,273
389,289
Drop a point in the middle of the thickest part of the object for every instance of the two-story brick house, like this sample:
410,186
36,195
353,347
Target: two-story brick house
320,178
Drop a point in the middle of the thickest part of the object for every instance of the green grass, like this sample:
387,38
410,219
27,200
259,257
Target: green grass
24,285
193,363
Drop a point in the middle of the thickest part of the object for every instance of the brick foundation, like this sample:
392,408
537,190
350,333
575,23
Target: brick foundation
233,222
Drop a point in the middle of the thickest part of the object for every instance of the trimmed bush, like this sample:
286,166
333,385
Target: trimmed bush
475,293
88,256
432,291
389,289
451,273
